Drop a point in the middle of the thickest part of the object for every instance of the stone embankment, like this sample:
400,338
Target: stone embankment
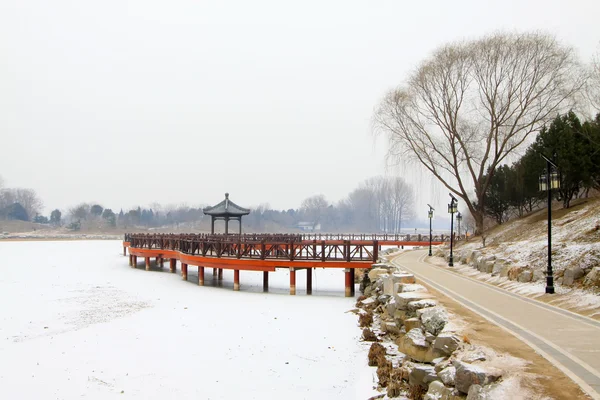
417,346
584,274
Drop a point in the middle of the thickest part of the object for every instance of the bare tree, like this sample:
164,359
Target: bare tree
314,208
593,84
472,104
27,198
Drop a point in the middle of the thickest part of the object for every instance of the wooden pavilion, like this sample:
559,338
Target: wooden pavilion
226,210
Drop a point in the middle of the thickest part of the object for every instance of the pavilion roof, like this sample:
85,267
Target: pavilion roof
226,208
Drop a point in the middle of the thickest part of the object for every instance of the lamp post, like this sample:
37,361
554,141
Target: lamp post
452,208
458,219
549,180
430,215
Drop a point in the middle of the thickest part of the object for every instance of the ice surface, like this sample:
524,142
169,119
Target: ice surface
77,322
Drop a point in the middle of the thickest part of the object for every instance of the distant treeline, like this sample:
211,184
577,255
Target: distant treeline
377,204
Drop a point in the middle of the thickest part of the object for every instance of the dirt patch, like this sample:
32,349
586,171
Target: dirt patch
545,378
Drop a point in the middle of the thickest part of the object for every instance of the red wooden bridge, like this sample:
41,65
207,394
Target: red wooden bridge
266,252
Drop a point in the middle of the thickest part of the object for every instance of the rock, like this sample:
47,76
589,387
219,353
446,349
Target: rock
434,319
402,299
446,342
414,345
368,290
390,307
375,273
486,264
448,375
475,393
473,356
390,327
429,337
513,273
539,275
593,277
422,374
419,304
475,254
525,276
412,323
390,281
400,316
571,275
383,299
499,264
443,364
469,374
504,270
410,287
437,391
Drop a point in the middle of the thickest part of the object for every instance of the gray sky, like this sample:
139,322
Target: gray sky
133,102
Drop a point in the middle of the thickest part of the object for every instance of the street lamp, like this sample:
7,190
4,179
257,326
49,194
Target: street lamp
430,215
452,208
458,219
549,180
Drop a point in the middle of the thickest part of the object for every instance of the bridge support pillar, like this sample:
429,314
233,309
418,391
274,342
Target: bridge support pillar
200,276
172,265
162,262
147,263
353,281
348,282
309,280
130,260
265,281
214,272
220,274
124,251
292,281
184,271
236,279
134,264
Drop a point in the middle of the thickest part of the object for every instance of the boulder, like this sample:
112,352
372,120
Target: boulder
414,345
390,307
437,391
513,273
469,374
419,304
448,375
442,363
390,327
375,273
593,277
539,275
402,299
476,393
486,264
412,323
410,287
446,342
499,264
472,356
525,276
434,319
571,275
474,255
429,337
391,280
384,298
400,316
422,374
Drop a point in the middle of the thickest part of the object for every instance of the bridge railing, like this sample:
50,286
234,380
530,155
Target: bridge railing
258,246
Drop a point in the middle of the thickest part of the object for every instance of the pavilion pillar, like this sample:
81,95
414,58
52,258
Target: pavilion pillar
309,280
147,263
292,281
184,271
200,276
130,260
265,281
172,265
236,279
220,274
240,220
134,265
352,281
348,282
226,225
212,225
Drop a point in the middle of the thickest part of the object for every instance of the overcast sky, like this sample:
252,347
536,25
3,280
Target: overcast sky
133,102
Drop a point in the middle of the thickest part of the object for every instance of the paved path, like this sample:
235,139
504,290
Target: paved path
569,341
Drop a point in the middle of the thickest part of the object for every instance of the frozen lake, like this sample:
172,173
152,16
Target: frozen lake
77,322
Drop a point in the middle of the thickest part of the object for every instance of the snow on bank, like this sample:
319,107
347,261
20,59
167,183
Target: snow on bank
78,322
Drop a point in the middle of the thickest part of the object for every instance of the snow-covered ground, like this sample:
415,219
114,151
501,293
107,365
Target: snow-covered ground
77,322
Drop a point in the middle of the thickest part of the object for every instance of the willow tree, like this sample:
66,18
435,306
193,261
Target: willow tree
470,105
